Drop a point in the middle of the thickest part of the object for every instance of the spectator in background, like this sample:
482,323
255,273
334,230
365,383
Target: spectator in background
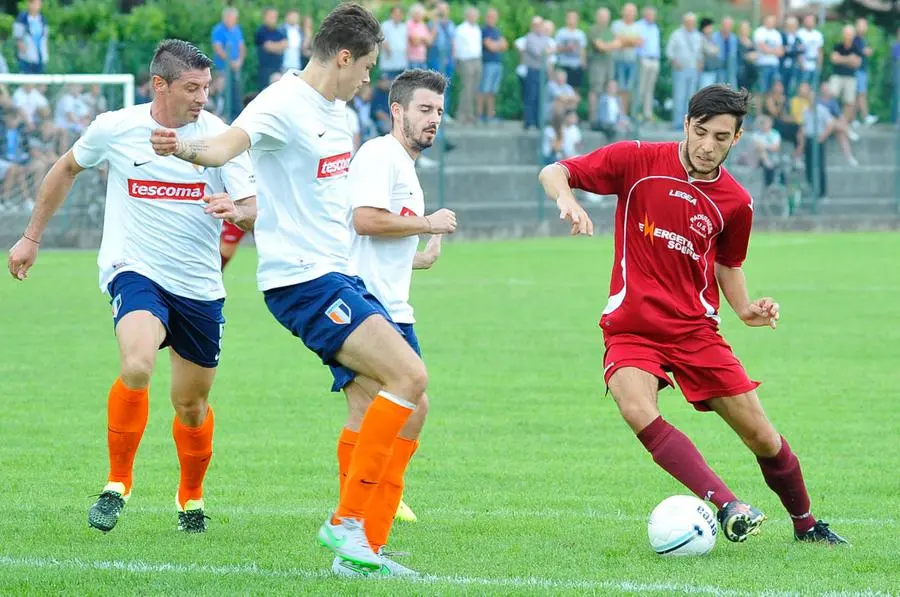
306,48
393,59
727,41
229,53
362,104
684,51
571,50
215,100
31,33
776,107
818,125
72,114
440,53
381,108
611,119
571,138
846,60
628,32
420,37
293,34
748,74
271,42
467,48
813,42
548,28
841,129
95,101
32,104
552,138
793,51
712,60
895,60
601,67
142,88
535,54
862,73
769,50
561,95
495,45
767,145
4,67
649,54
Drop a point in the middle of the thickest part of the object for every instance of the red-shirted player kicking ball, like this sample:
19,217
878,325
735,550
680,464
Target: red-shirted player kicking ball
681,233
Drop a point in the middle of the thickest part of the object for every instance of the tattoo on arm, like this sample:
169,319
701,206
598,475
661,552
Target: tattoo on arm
189,150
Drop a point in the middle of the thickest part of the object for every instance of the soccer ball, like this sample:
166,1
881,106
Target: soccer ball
682,525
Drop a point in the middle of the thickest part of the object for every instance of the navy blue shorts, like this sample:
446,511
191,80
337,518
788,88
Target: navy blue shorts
193,328
325,311
343,376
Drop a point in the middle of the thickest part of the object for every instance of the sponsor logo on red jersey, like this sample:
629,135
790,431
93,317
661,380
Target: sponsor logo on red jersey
408,213
675,242
702,225
335,165
155,190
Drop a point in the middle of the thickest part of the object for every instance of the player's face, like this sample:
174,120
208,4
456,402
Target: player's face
422,118
187,95
708,144
354,73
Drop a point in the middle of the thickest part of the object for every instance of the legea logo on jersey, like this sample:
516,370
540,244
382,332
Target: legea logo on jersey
682,195
676,242
173,191
335,165
339,312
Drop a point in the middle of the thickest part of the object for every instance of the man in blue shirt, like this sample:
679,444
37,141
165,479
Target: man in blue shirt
495,45
230,51
862,73
31,32
271,42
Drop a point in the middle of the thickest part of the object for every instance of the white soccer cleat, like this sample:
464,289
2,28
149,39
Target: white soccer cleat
395,568
389,568
347,540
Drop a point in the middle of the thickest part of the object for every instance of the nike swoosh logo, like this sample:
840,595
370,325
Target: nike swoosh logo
337,543
322,134
139,164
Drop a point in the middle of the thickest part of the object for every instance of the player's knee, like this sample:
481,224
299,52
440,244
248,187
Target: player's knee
416,382
637,413
763,440
422,408
191,413
136,370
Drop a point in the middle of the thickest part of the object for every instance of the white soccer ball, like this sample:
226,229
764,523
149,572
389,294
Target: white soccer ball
682,525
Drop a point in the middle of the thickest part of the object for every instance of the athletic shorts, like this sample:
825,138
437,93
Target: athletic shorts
704,366
343,376
231,234
193,328
325,311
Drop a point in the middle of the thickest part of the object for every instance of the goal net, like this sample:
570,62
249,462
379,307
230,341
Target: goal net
41,117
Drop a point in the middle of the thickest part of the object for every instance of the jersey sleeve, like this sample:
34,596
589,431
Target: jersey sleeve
90,149
265,121
602,171
370,178
735,239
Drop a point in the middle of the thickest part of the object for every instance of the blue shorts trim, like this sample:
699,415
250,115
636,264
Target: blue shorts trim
194,328
324,312
343,376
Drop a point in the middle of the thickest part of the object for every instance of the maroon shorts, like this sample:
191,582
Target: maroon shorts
704,366
231,234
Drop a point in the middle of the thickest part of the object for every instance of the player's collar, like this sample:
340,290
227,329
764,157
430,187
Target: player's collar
690,178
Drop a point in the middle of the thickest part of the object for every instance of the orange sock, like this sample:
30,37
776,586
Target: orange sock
127,411
194,446
346,443
381,510
381,424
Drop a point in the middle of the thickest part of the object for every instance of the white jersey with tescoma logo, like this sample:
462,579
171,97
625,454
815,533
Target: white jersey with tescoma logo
383,175
301,147
154,222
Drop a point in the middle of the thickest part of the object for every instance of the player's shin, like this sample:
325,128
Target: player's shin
346,445
383,506
127,413
783,476
194,447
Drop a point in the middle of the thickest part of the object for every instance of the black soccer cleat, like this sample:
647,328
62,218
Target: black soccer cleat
104,514
820,533
192,521
739,520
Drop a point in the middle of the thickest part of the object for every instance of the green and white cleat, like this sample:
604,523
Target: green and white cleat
396,569
105,512
347,540
191,518
389,568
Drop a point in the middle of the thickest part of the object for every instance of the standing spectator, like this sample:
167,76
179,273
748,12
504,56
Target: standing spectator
747,71
629,35
685,54
419,39
440,53
649,54
271,42
846,60
895,59
727,42
467,51
862,74
813,42
793,51
230,51
535,55
571,50
31,33
712,61
393,58
306,48
769,50
293,53
601,66
492,65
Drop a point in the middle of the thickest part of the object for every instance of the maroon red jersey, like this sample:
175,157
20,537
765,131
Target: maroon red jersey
670,231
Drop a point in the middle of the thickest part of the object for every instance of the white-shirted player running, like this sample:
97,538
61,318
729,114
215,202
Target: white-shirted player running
159,261
297,132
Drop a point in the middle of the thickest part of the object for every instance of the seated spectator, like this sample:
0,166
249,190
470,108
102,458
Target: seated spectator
552,142
560,94
775,106
95,101
611,118
32,104
72,113
571,137
767,144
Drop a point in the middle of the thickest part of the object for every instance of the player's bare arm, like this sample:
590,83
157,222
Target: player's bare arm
555,180
374,221
427,258
761,312
240,212
51,194
211,152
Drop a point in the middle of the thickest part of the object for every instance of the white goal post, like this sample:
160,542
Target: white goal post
126,80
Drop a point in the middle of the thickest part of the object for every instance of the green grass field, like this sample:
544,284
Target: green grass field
526,481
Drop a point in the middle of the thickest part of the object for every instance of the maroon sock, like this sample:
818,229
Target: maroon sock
783,476
677,455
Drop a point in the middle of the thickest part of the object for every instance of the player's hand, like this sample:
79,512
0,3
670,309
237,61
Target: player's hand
221,207
22,256
433,247
164,141
571,211
762,312
443,221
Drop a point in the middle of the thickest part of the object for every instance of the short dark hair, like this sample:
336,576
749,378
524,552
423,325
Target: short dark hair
408,81
175,56
719,99
348,27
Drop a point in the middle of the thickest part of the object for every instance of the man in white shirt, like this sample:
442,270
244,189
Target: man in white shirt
394,59
32,103
769,49
813,44
467,48
72,113
159,261
301,148
294,50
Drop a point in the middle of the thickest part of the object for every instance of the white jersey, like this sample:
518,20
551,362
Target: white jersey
301,147
154,222
383,175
